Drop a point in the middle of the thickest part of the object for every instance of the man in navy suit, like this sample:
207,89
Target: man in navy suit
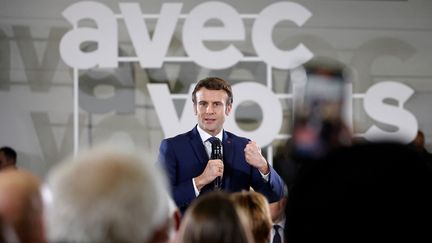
186,157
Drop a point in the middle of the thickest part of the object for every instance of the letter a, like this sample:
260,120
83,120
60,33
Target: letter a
105,36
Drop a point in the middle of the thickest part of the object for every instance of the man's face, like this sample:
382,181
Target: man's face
277,209
211,109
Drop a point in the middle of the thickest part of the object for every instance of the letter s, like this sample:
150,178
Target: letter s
375,107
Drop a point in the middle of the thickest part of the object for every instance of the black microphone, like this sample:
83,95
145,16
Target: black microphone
216,153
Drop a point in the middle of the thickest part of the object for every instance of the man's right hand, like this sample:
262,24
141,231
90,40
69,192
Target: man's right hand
214,168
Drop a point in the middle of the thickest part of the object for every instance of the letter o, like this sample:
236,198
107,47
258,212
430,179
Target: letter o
270,106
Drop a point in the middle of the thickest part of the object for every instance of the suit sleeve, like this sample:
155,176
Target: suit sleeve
273,189
182,192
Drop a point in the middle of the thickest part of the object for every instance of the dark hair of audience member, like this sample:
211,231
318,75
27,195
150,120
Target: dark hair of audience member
8,157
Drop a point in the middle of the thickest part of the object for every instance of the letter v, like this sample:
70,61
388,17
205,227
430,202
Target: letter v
164,106
151,52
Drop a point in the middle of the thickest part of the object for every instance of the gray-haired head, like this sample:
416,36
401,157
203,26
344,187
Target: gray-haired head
105,195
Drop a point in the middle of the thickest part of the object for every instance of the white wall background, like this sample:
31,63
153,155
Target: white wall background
379,40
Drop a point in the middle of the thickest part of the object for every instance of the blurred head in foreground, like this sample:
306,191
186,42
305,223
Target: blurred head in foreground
213,218
319,124
379,192
105,195
21,207
256,208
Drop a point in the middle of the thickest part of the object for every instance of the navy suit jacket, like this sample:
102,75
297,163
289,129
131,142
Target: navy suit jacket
184,157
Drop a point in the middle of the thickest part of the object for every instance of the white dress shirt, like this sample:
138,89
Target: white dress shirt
281,223
204,138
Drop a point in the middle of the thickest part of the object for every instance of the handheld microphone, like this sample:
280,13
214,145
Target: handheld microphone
216,153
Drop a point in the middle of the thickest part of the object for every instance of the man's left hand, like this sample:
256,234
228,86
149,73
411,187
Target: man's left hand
254,157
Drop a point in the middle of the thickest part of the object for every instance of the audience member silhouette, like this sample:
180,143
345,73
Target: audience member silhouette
368,192
213,218
104,195
8,157
277,212
21,208
419,141
256,208
319,125
175,215
419,145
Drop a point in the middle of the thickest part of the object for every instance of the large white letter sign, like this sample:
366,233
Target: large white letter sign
376,108
151,52
165,110
262,35
194,33
105,56
270,106
268,102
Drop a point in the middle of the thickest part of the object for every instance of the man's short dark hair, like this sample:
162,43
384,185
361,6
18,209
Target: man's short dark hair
213,83
9,153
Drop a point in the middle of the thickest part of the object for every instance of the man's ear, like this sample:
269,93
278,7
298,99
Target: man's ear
161,234
228,109
177,219
195,109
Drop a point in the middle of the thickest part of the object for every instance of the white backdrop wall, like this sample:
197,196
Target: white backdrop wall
378,40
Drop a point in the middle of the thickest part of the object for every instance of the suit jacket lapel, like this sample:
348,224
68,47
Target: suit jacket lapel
228,151
198,146
228,156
